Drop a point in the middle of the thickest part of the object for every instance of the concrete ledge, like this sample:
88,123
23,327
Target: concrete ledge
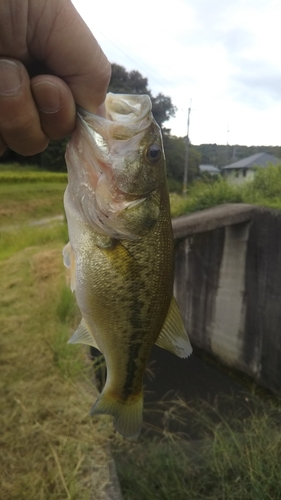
213,218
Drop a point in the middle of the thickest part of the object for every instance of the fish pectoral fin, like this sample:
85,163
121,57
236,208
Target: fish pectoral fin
83,336
120,259
69,262
66,253
127,414
173,336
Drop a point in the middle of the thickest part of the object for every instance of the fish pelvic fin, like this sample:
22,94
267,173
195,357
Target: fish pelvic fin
127,415
69,262
83,335
173,336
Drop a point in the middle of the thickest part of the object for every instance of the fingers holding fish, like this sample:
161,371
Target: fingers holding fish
48,38
20,127
32,112
55,104
59,37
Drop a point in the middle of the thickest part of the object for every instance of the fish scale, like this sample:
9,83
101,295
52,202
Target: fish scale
121,250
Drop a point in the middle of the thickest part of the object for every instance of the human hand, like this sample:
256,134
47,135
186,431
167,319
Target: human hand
49,62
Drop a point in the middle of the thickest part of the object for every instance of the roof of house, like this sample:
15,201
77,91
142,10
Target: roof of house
259,160
209,168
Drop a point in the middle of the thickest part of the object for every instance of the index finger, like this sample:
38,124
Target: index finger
59,37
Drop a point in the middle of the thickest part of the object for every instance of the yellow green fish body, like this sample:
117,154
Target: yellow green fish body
121,250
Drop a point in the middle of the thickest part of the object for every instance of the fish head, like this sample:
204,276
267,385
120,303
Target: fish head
116,167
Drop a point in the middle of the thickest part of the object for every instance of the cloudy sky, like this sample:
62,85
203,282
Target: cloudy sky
221,57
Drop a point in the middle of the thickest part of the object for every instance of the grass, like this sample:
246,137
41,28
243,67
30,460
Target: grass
25,201
50,449
34,177
13,241
263,190
202,196
49,446
27,193
235,459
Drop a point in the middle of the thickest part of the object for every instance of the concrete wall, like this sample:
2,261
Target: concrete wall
228,286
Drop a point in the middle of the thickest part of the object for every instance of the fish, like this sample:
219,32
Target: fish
121,251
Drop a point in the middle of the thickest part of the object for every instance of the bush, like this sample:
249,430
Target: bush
263,190
203,195
236,458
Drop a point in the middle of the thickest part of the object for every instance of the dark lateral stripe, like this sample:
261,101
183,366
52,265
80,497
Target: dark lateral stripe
132,369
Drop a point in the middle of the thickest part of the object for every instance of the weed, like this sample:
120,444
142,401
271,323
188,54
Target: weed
27,176
15,240
235,458
66,307
203,195
263,190
50,448
23,202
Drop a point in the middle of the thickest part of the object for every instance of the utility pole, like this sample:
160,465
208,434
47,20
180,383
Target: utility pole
186,153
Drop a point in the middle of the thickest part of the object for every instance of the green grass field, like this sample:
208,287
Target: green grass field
235,459
25,201
50,449
264,190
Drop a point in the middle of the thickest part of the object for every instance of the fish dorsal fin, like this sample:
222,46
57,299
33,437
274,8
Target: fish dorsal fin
83,336
173,336
69,261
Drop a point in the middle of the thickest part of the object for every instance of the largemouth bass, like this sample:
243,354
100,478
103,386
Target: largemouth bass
121,249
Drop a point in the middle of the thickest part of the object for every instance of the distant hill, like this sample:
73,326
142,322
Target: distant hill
220,156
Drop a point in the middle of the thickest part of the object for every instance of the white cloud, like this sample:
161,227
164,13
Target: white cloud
223,55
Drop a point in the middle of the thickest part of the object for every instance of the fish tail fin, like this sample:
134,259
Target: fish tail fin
127,414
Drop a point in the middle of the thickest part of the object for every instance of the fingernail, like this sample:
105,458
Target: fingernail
10,78
47,96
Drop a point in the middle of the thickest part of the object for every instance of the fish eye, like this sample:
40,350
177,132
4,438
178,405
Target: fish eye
153,153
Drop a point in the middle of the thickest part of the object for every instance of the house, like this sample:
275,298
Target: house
210,169
241,170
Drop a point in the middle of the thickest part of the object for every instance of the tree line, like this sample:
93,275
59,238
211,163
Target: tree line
125,82
132,82
221,155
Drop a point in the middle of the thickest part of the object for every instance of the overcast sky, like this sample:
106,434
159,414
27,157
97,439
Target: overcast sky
222,56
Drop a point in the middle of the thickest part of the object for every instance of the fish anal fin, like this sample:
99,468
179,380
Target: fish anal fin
173,336
127,415
69,262
83,336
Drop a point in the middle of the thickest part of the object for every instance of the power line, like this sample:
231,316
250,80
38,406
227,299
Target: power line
146,71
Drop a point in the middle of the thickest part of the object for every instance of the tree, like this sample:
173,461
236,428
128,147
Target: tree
127,82
132,82
51,159
162,108
122,82
175,158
